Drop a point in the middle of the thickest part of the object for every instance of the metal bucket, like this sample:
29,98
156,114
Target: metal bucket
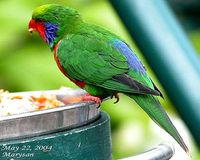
74,131
47,121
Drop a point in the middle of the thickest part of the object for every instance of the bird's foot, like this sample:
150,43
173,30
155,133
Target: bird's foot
116,95
88,97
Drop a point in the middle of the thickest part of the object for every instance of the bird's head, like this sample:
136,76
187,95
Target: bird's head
53,21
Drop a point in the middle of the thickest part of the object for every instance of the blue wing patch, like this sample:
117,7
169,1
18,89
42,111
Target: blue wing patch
131,58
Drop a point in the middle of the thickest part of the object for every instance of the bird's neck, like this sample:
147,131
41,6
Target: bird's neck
63,31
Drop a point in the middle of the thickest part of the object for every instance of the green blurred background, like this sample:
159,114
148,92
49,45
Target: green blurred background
26,63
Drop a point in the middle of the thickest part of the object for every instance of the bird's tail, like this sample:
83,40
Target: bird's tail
153,108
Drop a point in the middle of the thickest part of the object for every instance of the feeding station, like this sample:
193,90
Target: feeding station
70,132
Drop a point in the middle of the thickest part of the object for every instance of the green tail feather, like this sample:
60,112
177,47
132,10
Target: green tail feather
153,108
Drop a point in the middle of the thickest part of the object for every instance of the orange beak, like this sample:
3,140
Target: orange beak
31,26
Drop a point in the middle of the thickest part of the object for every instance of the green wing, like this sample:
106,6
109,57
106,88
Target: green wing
97,62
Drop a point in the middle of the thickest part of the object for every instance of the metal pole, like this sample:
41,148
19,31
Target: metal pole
160,152
169,53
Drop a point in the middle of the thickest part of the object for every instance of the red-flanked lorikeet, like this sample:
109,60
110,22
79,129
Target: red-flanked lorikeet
98,61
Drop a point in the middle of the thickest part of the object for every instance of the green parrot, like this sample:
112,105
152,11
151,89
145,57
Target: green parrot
98,61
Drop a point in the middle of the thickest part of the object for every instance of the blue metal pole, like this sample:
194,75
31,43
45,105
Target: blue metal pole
169,53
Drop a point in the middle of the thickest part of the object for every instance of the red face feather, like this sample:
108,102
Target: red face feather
39,27
46,30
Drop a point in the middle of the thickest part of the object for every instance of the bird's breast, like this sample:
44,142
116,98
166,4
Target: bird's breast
78,83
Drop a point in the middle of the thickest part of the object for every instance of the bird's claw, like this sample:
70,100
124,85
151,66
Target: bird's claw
88,97
116,95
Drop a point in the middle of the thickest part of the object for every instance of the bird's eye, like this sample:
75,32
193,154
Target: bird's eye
40,20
